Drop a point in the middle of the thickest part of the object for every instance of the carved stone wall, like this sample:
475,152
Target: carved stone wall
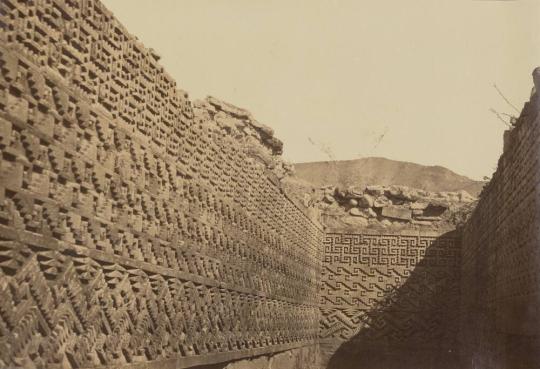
306,357
501,256
133,234
383,294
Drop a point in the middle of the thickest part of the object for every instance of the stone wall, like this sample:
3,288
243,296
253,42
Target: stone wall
390,300
501,256
141,230
392,208
306,357
133,231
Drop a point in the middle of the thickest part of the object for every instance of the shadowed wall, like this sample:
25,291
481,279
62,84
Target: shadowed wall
501,256
390,300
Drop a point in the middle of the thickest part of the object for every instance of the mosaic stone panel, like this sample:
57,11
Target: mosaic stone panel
131,232
391,289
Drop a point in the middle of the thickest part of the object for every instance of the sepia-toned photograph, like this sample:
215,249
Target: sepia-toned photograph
284,184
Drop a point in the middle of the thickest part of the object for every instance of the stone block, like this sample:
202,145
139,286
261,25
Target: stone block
420,205
375,190
257,363
11,173
356,221
17,107
366,201
381,202
356,212
429,219
396,212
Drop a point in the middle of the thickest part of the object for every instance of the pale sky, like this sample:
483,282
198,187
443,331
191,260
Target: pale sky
333,77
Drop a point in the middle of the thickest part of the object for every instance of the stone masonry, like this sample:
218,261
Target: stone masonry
500,272
134,232
139,229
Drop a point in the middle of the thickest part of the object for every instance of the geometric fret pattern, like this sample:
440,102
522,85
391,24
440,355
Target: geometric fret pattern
134,230
70,306
392,288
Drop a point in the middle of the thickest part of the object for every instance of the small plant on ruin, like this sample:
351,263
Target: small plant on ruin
509,120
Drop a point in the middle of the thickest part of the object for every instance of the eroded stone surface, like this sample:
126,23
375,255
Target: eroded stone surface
397,212
500,326
137,228
392,207
378,298
141,230
301,358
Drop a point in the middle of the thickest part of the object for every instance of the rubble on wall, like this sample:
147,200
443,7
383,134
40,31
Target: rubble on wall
257,138
394,207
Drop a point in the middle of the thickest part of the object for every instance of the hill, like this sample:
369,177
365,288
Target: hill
386,172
